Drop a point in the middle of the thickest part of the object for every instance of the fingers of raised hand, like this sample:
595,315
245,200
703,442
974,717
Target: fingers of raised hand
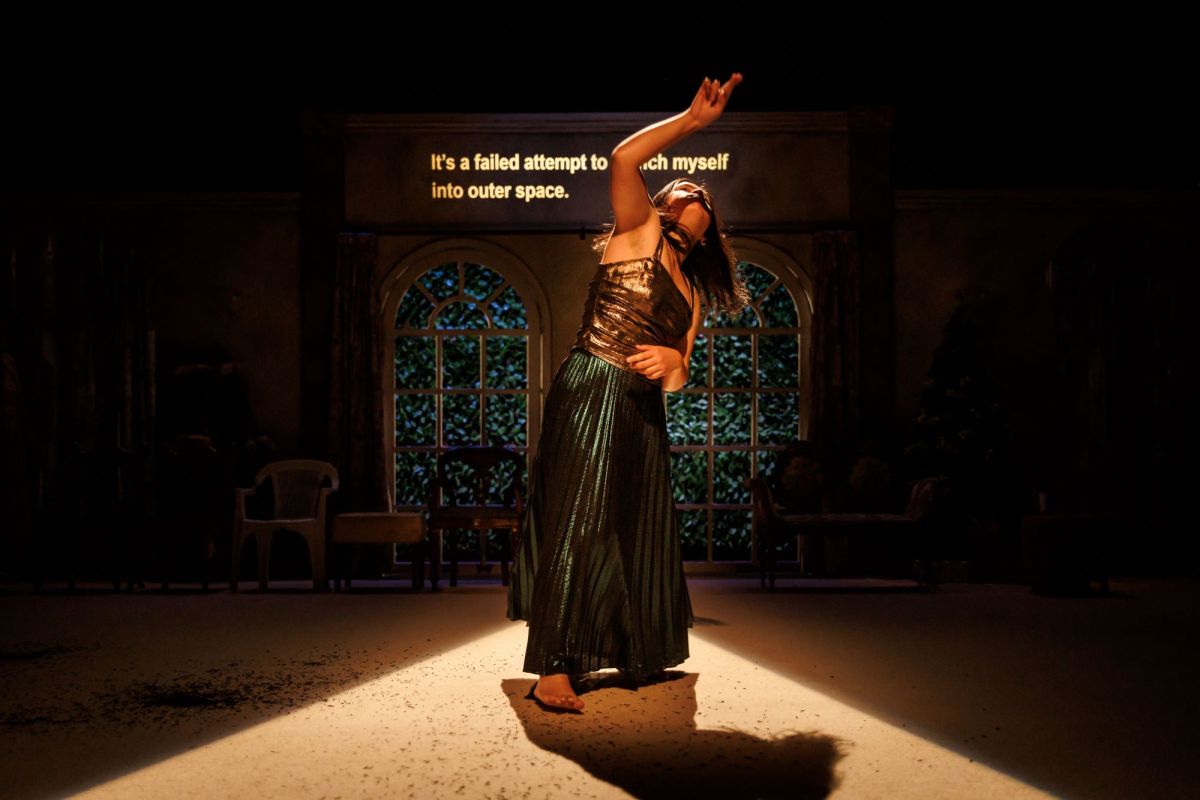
714,94
727,89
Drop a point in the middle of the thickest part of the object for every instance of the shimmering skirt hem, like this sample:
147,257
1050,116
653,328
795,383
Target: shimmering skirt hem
598,574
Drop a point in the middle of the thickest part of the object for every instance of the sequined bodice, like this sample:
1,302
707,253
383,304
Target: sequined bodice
631,302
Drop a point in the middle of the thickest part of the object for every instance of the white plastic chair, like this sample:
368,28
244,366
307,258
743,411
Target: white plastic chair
299,505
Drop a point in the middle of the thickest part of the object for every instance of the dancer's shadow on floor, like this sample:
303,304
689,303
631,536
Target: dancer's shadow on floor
643,738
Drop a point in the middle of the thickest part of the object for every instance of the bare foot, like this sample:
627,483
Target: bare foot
555,690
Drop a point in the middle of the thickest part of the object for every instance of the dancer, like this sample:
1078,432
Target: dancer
599,572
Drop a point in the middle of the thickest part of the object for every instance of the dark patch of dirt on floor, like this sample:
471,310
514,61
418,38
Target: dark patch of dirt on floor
184,697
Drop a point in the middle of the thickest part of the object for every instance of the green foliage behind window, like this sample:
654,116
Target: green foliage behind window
741,402
460,377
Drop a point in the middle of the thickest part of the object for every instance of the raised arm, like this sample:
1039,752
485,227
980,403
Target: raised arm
630,203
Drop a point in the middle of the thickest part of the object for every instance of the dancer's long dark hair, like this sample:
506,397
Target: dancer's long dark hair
711,266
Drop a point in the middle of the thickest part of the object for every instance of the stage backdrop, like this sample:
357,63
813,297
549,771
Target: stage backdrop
481,229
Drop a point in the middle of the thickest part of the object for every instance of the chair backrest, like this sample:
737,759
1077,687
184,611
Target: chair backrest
296,485
480,475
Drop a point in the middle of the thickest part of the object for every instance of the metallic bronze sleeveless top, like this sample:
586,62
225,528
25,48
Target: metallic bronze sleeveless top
632,302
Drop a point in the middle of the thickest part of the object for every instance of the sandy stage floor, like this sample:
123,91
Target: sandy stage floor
847,689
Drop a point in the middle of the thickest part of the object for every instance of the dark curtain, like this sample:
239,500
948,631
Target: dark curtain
78,396
835,351
1123,404
356,376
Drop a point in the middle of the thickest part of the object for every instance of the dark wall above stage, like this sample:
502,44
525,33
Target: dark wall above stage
1050,96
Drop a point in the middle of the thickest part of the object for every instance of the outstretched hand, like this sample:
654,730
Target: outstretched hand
711,98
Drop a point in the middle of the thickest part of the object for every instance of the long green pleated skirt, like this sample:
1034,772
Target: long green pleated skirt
599,572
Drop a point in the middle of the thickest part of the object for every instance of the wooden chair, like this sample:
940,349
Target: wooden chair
775,526
479,514
299,502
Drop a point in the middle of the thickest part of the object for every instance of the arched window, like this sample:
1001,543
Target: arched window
460,352
745,399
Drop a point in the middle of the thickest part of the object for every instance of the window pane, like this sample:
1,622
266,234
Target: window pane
759,366
415,360
508,311
778,417
731,418
416,419
730,468
731,361
460,316
414,472
506,419
689,476
455,404
757,279
462,485
768,465
500,479
778,360
479,282
718,318
778,310
693,534
460,362
687,418
441,281
506,362
731,535
414,310
461,423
